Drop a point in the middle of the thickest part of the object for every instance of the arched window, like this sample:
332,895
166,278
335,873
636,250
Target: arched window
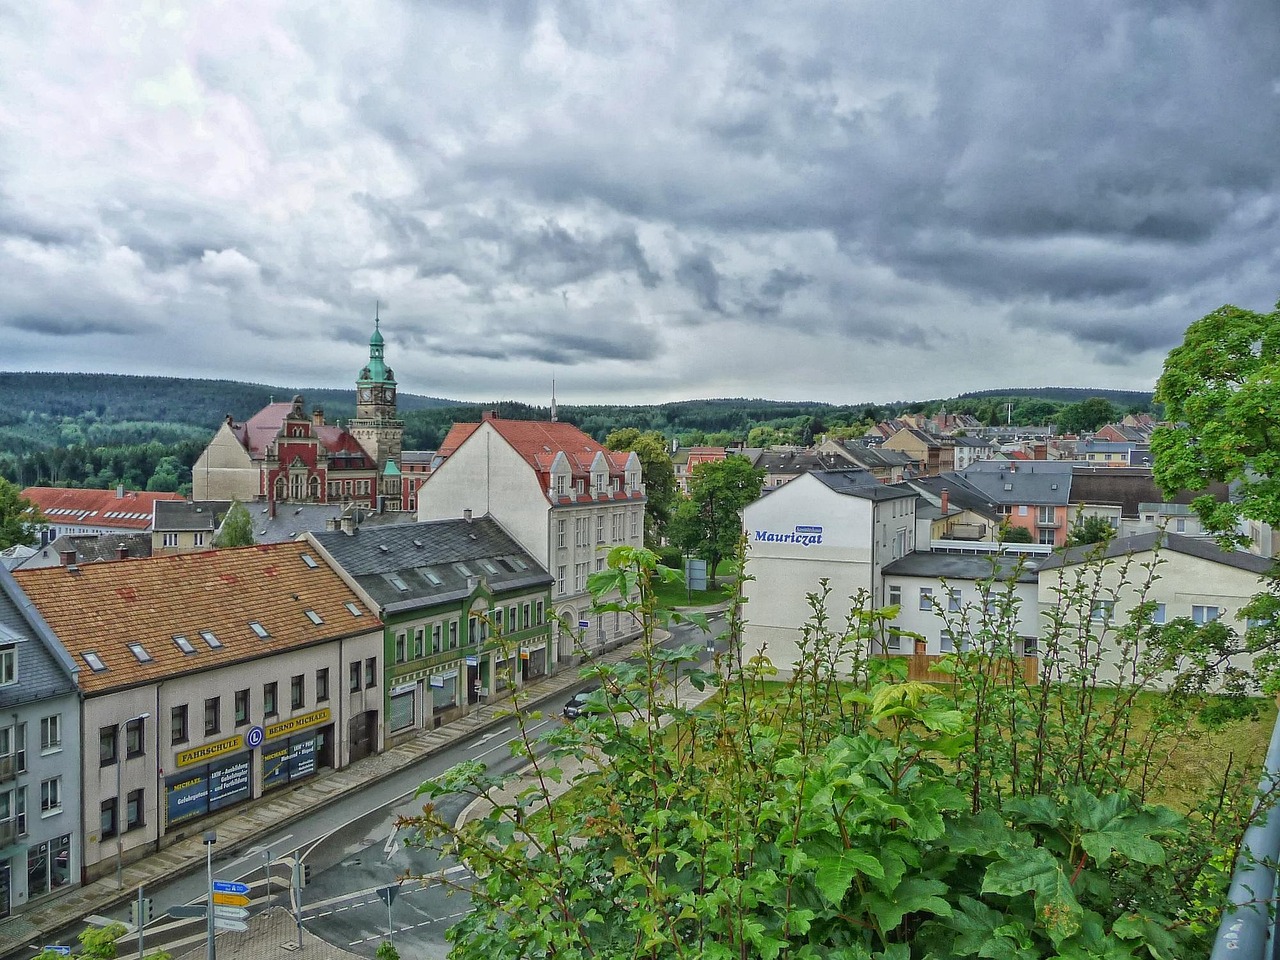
279,488
315,488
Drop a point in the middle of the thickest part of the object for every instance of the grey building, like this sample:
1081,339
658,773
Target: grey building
39,757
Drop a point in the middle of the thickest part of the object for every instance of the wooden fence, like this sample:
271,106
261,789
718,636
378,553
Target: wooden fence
920,666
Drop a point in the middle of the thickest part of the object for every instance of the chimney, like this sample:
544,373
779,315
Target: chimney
349,526
271,508
229,421
466,514
120,491
489,415
946,501
67,558
122,552
317,416
333,524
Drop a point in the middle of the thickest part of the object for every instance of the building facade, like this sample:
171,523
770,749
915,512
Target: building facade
207,679
559,494
40,851
466,614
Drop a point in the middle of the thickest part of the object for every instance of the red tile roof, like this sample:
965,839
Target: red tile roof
97,508
261,430
103,608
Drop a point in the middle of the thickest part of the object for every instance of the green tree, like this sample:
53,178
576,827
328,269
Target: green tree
166,479
1087,415
658,474
1014,534
237,528
20,521
1089,530
719,490
99,943
1221,394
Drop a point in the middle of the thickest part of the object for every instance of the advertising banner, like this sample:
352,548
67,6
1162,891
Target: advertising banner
229,782
187,796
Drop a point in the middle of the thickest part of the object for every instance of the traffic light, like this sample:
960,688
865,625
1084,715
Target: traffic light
306,874
148,912
301,874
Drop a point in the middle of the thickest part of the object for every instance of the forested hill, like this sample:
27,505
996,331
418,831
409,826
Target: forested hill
1121,398
115,398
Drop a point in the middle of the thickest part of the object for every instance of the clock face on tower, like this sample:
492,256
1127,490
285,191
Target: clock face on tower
365,394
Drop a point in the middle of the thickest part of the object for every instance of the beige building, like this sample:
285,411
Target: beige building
559,494
208,679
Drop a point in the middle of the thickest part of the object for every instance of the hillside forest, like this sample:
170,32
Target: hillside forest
101,430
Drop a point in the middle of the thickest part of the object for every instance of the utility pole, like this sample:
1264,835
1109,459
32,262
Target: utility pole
210,838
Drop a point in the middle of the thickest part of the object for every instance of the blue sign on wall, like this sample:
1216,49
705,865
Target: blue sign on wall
229,782
188,796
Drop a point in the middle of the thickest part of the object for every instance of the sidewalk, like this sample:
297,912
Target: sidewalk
242,827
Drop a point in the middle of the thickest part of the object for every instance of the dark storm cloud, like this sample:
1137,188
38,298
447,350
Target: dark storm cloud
697,273
63,325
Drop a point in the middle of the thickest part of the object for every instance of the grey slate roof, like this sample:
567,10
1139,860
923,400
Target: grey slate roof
963,566
411,551
783,462
1129,488
1020,482
186,515
859,483
961,495
1191,546
89,548
872,456
44,669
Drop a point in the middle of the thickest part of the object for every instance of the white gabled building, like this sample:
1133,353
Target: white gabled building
559,494
823,525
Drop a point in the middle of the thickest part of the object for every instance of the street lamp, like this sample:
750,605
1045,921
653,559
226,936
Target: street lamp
122,750
210,838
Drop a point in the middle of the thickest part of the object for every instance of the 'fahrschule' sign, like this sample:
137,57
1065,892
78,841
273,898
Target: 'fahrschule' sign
805,536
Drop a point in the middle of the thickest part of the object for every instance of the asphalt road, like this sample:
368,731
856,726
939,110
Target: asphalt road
354,850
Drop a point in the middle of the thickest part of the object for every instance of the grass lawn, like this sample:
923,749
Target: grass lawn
677,595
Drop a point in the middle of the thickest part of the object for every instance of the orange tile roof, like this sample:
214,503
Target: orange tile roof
97,508
453,439
103,608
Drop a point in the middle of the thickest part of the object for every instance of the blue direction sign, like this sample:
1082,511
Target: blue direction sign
59,949
230,886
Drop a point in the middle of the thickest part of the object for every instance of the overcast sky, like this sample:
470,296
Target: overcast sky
845,201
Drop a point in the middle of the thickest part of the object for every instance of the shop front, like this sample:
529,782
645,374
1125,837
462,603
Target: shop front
296,748
403,710
533,662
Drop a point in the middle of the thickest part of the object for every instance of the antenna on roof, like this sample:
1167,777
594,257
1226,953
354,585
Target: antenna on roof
554,416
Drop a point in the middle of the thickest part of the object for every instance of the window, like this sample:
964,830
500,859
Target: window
107,746
1047,536
1180,525
419,642
538,609
1203,615
453,634
178,724
926,598
560,573
947,642
309,560
133,809
562,483
139,652
616,527
241,705
953,599
50,796
435,638
297,692
8,664
183,644
198,539
635,524
51,733
371,672
209,638
560,525
270,699
1022,510
402,647
354,678
212,716
107,825
580,577
1046,515
322,685
353,609
526,623
259,629
1102,610
895,596
1030,647
1158,614
314,617
135,741
600,528
170,540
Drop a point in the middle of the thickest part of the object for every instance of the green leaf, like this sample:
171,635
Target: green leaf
912,895
1153,934
835,874
1112,824
1036,871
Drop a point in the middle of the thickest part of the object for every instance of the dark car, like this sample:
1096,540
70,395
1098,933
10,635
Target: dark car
578,702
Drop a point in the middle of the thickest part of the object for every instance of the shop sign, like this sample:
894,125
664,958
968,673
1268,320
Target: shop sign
805,536
188,797
209,751
294,724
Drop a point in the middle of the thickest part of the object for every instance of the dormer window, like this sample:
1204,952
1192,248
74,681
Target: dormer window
314,617
562,485
95,662
600,482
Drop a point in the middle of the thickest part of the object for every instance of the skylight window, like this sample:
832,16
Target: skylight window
184,644
314,617
209,638
395,581
95,662
139,651
431,577
353,609
488,567
309,560
519,564
463,569
259,629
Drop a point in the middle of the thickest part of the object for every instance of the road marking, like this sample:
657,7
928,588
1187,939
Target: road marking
497,733
511,740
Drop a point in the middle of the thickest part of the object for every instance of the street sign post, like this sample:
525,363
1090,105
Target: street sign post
388,895
222,923
230,913
187,911
230,899
58,948
230,886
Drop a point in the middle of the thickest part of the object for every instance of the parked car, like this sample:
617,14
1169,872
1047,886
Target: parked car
576,705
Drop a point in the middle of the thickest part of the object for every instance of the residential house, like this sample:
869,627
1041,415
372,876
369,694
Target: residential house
80,511
969,448
88,548
951,511
822,525
465,613
1105,453
689,458
559,494
784,465
1193,578
415,467
932,454
180,526
1030,494
1129,499
208,679
40,851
